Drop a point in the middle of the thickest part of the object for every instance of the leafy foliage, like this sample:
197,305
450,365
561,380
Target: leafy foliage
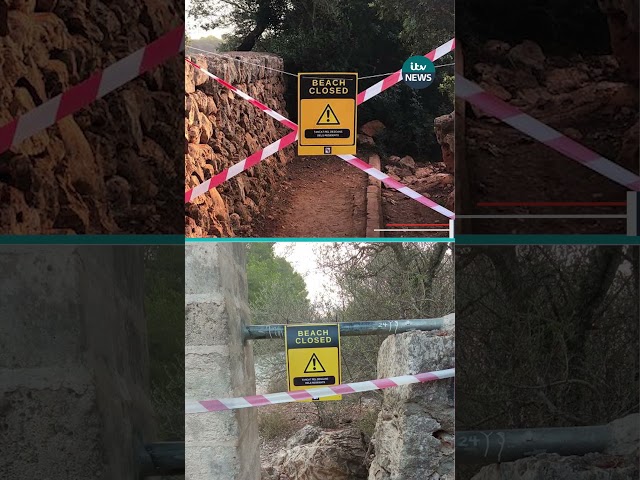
369,37
164,308
546,336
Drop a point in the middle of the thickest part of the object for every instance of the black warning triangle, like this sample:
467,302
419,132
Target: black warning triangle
314,365
328,117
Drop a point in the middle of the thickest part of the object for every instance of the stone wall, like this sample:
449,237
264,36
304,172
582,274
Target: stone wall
74,397
113,167
221,129
218,364
414,434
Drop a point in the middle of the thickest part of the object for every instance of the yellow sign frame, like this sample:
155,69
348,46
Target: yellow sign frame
327,113
321,343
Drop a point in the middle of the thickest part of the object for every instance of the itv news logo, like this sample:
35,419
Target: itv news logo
418,72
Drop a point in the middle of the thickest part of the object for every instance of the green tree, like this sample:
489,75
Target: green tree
164,309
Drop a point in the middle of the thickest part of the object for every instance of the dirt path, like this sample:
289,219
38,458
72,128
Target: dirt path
398,209
320,197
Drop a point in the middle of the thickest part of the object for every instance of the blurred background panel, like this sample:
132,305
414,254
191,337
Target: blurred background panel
91,359
547,336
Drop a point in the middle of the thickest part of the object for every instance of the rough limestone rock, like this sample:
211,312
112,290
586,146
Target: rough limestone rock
592,466
414,434
623,18
527,54
335,455
221,129
444,129
372,128
66,179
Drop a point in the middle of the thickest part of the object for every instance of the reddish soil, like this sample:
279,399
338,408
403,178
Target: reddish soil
397,208
508,167
325,197
320,197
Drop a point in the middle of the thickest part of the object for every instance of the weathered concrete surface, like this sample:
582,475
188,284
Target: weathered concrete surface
222,129
414,433
223,446
74,398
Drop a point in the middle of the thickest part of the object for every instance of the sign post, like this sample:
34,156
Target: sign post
327,113
313,357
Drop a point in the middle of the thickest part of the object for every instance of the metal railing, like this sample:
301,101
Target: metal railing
472,447
374,327
493,446
163,458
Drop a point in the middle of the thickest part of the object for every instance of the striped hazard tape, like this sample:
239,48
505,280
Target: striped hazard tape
394,78
282,143
475,95
202,406
96,86
240,167
390,182
272,113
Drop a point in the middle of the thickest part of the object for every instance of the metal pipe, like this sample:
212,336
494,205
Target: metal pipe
493,446
374,327
163,458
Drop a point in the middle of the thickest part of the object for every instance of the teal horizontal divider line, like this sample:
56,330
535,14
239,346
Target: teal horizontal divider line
295,239
547,240
91,240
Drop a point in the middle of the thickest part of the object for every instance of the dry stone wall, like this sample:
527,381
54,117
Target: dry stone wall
222,129
113,167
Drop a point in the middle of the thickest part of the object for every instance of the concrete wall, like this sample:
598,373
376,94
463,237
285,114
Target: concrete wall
74,397
221,445
414,434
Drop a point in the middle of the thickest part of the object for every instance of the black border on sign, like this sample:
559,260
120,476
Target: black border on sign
351,76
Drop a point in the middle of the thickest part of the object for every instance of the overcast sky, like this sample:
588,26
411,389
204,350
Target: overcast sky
302,256
194,32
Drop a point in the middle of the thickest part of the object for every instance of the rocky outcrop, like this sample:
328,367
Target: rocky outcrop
444,128
221,129
313,454
113,167
414,434
592,466
623,19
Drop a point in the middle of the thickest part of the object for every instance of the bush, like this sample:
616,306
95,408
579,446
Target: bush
274,424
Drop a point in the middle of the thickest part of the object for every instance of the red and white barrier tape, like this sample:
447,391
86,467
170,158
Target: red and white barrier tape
278,145
203,406
272,113
394,78
240,167
475,95
96,86
387,180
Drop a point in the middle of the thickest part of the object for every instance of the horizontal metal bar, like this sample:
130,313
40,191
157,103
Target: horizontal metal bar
163,458
493,446
549,216
374,327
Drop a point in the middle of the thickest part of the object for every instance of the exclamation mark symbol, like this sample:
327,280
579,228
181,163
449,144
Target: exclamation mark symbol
327,122
314,358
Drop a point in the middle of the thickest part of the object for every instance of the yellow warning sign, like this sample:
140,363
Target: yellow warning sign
328,117
313,357
314,365
327,113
